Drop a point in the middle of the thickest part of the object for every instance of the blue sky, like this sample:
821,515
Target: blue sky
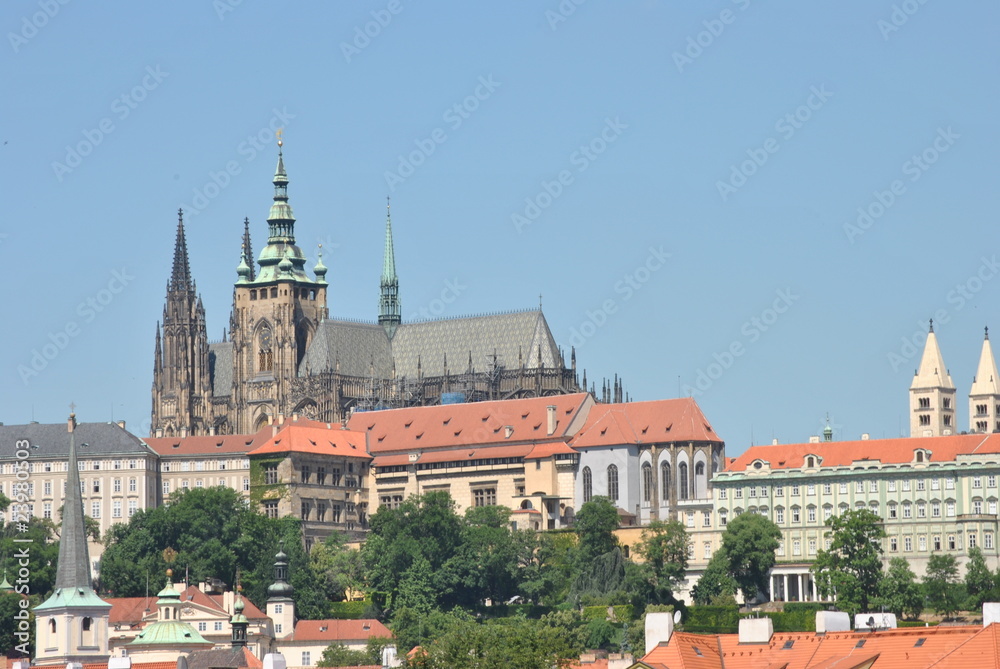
756,203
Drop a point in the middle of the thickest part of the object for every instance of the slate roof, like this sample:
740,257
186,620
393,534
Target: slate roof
52,440
220,368
222,658
359,346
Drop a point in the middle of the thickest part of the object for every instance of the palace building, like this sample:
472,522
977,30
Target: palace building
284,355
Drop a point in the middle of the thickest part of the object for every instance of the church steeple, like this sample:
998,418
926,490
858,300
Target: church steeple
248,249
281,220
72,624
932,393
280,605
389,315
984,397
180,277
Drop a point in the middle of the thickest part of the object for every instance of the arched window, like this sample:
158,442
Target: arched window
665,480
647,482
613,483
588,484
526,504
682,480
52,625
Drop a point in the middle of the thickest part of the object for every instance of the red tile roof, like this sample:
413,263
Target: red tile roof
462,454
653,422
330,631
129,610
208,445
473,423
844,453
319,441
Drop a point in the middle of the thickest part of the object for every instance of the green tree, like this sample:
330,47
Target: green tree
595,527
664,550
337,566
852,566
899,591
512,643
339,655
215,535
421,527
979,580
715,583
550,568
749,543
413,628
43,556
941,584
10,607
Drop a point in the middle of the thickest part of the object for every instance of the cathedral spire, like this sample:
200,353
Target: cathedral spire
281,220
389,315
932,393
984,397
74,562
247,249
180,277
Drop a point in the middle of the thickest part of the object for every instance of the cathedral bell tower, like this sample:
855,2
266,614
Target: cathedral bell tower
276,312
932,394
181,388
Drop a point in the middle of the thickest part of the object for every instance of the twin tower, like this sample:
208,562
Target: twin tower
932,394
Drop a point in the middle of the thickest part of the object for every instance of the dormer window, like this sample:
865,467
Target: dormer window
810,462
920,456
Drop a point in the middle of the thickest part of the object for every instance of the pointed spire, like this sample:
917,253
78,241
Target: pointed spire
320,269
281,220
986,381
932,372
389,311
180,277
247,249
73,571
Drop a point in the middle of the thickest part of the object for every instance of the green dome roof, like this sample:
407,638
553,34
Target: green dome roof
172,633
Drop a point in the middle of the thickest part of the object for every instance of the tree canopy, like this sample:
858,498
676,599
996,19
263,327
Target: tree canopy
852,566
748,544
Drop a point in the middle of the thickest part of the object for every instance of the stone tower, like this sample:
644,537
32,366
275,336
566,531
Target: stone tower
984,397
276,312
181,384
932,394
72,624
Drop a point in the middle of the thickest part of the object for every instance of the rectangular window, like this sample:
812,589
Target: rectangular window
906,485
991,507
484,497
779,515
218,626
935,484
893,544
706,518
708,550
921,510
811,514
185,466
922,543
892,511
306,510
921,485
335,512
892,485
723,493
131,464
199,483
166,488
270,474
779,490
781,548
723,518
811,489
132,507
321,511
116,509
306,474
812,547
47,510
952,544
949,484
827,512
97,485
753,491
117,464
843,488
977,481
47,487
950,509
977,506
795,490
827,488
739,493
116,485
859,486
972,540
246,485
796,547
132,485
271,508
306,658
321,475
988,540
796,515
991,481
907,511
690,518
95,510
936,510
907,544
937,543
873,486
199,466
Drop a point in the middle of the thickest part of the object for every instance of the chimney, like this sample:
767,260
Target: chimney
774,442
228,600
159,433
295,417
211,431
814,439
756,630
865,437
832,621
121,424
184,432
274,661
281,419
551,414
659,628
991,613
508,430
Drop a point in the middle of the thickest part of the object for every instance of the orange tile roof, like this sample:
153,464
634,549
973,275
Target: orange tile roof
330,631
319,441
688,651
208,445
981,650
843,453
129,610
473,423
549,449
466,453
653,422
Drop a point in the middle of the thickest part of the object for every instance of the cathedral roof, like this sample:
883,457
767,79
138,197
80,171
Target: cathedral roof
360,348
932,373
986,382
652,422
